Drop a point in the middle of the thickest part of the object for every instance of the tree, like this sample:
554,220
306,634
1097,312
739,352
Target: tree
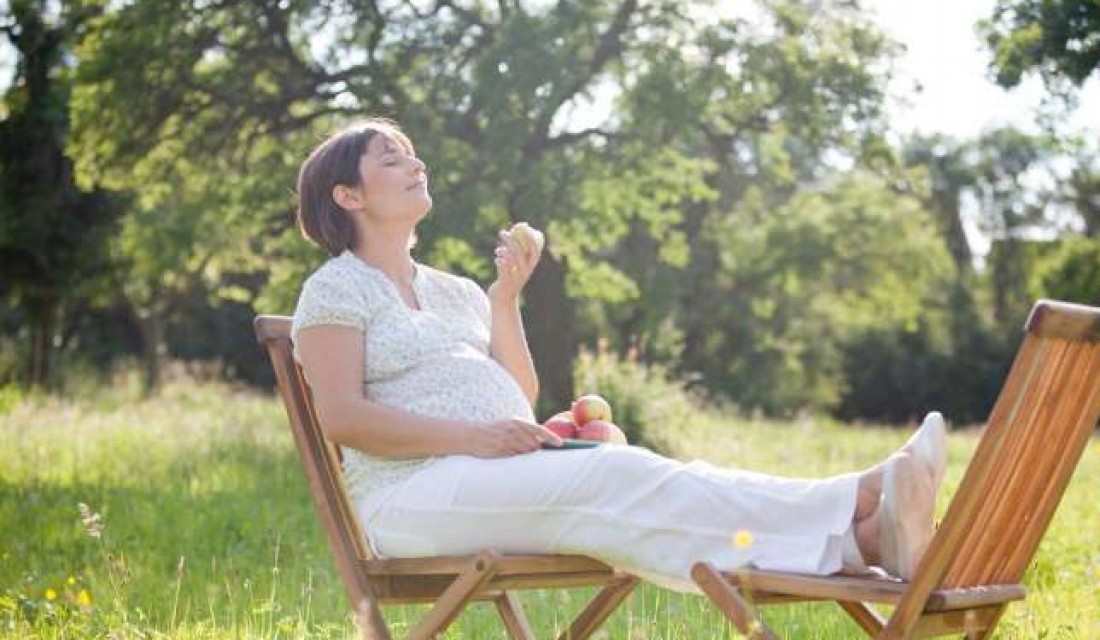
52,233
1002,173
1081,191
720,135
774,104
950,175
1012,208
483,90
1055,38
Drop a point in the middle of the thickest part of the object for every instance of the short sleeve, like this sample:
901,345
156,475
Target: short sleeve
327,298
479,301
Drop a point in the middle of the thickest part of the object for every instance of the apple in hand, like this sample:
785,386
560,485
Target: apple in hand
562,424
527,236
591,407
601,431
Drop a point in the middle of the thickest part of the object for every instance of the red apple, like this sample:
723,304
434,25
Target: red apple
601,431
617,435
562,424
591,407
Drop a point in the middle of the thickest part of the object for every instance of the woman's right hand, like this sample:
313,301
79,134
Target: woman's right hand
500,438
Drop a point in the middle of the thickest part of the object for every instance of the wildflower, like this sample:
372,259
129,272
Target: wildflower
71,580
93,523
743,538
51,595
84,598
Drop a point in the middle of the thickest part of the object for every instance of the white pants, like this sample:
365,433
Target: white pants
627,506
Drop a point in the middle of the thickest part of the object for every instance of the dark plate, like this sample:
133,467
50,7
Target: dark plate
571,443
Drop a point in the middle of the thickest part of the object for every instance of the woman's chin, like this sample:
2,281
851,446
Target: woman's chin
423,208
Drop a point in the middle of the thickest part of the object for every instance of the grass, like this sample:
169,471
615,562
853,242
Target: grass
207,529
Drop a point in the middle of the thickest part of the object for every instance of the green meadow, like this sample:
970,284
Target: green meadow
197,524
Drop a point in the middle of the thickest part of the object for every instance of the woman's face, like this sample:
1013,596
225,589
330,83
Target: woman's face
394,182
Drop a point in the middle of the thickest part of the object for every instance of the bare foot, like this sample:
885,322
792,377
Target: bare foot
905,514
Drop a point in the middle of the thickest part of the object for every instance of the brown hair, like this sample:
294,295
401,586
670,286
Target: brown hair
336,162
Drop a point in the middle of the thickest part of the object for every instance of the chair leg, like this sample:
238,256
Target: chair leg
602,606
511,612
730,602
454,598
867,618
369,620
988,629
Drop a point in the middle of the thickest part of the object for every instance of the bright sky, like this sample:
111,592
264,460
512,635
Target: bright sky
949,61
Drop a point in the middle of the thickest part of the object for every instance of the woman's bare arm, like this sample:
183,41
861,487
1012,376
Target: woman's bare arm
508,346
333,356
508,342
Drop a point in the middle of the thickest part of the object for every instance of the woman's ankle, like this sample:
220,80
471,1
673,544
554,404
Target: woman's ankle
866,533
868,494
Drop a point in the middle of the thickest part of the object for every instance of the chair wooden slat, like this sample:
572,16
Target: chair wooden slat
1057,319
1037,431
450,583
506,565
1026,484
768,584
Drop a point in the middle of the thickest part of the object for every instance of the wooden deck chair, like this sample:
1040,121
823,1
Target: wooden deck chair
1039,426
448,582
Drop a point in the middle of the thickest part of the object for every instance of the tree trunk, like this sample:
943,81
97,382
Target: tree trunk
42,332
548,317
151,348
947,208
1009,276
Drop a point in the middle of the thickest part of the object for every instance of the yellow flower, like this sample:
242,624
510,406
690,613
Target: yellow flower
84,598
71,580
742,538
51,594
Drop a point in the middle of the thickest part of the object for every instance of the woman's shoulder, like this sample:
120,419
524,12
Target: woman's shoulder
335,293
337,281
339,275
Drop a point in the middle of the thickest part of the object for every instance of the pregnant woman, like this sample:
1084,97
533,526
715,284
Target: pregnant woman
426,382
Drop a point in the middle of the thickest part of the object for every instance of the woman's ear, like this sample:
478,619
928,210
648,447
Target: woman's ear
347,197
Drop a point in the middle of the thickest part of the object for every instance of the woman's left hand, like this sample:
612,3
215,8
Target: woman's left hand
515,262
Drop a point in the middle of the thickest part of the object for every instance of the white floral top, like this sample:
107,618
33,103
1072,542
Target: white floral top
432,362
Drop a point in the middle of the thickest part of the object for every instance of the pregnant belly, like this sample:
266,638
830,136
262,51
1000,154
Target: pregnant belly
456,387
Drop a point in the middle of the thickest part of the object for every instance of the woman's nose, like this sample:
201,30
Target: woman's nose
418,166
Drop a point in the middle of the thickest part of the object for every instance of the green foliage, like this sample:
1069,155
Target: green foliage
948,359
1054,38
1071,271
796,282
52,233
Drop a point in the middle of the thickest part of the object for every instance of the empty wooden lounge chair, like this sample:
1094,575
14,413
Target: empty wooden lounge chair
1037,431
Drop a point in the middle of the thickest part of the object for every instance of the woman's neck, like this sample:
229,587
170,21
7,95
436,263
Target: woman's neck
388,252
